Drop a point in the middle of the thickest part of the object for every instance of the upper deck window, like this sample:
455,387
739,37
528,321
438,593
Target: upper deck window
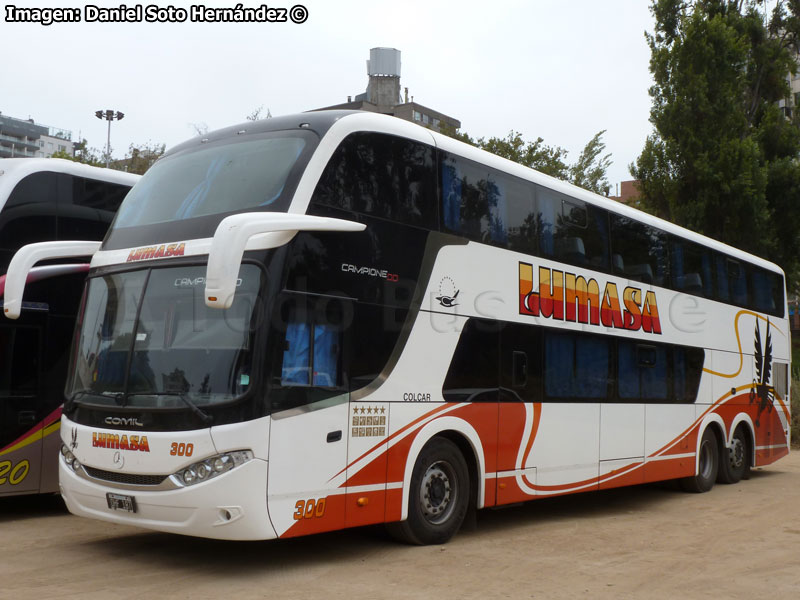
383,176
221,178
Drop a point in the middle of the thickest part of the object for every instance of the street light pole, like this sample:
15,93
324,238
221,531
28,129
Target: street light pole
109,115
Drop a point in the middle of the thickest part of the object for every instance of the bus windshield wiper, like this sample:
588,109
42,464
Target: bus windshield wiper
201,414
69,403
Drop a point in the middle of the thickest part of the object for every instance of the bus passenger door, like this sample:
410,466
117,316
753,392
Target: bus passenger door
520,409
641,377
20,389
309,405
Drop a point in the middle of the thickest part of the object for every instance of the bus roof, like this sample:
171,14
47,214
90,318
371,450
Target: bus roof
470,152
349,121
317,121
13,170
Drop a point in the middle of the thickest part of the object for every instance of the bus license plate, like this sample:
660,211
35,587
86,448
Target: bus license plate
121,502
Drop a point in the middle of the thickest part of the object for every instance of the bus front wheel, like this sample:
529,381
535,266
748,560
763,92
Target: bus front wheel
438,496
707,465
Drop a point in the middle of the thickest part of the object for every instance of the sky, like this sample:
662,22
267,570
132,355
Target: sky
561,70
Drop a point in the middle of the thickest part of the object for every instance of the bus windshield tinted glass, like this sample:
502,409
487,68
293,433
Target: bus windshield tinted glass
215,179
175,349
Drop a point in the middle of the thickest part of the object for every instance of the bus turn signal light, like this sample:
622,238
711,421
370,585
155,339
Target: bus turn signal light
363,501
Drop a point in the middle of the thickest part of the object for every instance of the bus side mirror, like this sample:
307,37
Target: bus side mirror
255,231
27,256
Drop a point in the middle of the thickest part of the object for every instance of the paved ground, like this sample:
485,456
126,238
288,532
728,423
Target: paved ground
739,541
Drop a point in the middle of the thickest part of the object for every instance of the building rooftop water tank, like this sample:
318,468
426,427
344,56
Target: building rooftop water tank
384,61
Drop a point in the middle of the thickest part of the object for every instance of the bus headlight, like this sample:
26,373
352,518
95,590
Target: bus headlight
211,467
69,458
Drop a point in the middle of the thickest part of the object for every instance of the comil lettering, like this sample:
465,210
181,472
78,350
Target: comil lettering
573,298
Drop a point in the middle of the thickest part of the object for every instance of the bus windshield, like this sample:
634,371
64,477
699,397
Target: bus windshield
147,340
219,178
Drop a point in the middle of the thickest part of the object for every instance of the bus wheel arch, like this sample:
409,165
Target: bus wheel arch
447,448
707,461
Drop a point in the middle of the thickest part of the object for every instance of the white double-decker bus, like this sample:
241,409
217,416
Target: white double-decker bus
44,199
335,319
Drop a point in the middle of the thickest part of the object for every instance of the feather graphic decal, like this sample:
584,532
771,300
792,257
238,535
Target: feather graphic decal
762,391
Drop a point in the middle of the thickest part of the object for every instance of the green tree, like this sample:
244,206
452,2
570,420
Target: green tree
536,155
588,172
722,159
140,158
83,154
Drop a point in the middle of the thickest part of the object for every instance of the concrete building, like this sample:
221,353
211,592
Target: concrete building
21,138
384,96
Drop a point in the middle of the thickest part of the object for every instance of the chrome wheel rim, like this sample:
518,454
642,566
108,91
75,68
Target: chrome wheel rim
438,493
736,453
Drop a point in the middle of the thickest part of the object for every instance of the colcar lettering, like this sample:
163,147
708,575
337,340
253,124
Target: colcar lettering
416,397
573,298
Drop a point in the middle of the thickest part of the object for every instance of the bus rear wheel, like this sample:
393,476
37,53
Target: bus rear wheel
735,461
707,465
438,497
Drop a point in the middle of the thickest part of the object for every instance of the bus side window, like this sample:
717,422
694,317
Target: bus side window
19,377
639,251
737,280
765,296
296,366
780,379
571,231
520,363
576,367
29,214
473,374
642,371
721,271
377,329
691,268
383,176
522,222
687,367
310,357
87,208
465,198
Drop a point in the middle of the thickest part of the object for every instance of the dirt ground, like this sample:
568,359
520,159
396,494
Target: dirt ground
738,541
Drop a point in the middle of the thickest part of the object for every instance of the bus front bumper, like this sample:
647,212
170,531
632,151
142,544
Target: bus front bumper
232,506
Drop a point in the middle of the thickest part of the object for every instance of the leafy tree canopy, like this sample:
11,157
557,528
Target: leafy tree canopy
722,159
588,172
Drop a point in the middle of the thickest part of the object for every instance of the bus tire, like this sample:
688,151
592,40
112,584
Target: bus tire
734,464
707,465
438,496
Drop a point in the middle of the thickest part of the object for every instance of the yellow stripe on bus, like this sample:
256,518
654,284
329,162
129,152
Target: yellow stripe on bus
739,343
33,438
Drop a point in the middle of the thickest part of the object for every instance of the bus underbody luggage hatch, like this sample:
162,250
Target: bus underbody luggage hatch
255,231
29,255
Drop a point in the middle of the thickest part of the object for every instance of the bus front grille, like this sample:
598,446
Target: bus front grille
125,478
